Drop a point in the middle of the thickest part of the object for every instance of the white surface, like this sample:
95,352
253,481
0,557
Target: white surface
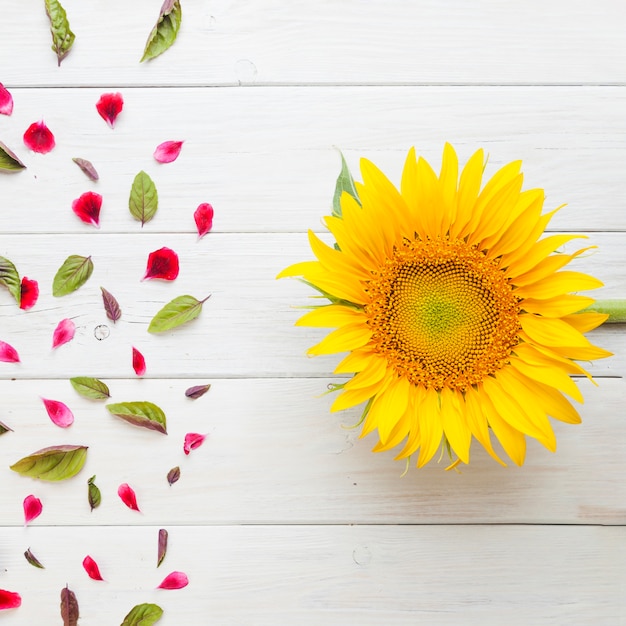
343,539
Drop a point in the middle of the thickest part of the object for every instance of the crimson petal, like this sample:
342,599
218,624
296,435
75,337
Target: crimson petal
32,508
6,101
63,333
109,107
9,599
87,207
193,441
203,217
162,263
168,151
175,580
92,569
139,363
59,413
29,293
38,138
8,353
126,493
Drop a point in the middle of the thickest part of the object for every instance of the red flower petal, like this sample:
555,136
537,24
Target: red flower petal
175,580
63,333
59,413
162,264
32,508
38,138
204,218
168,151
87,207
92,569
110,106
8,353
193,441
9,599
30,293
6,101
126,493
139,363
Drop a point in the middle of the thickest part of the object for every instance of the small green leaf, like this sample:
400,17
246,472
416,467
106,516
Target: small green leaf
143,615
62,36
164,33
144,414
345,182
73,274
9,161
10,278
53,464
144,199
175,313
93,493
4,428
32,559
90,387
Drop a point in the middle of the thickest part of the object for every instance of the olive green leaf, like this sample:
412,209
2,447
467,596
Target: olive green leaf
90,387
10,278
9,161
144,199
345,182
143,615
73,274
32,559
164,33
62,36
53,464
93,493
175,313
4,428
144,414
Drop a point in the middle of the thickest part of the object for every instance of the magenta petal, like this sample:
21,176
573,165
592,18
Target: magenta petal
32,508
87,207
63,333
193,441
162,264
59,413
29,293
175,580
126,493
6,101
8,353
92,569
38,138
168,151
139,363
109,107
9,599
204,218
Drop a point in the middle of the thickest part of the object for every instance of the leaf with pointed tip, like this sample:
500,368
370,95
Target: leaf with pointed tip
9,161
197,391
10,278
143,615
173,476
175,313
111,305
69,607
5,429
53,464
87,168
345,182
144,199
162,546
90,387
32,559
74,273
93,493
62,36
144,414
164,33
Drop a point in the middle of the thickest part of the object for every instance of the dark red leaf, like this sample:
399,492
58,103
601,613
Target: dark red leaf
32,559
32,508
193,441
126,493
139,363
197,391
111,305
9,599
173,475
87,168
38,138
59,413
92,569
69,607
162,547
29,293
203,217
168,151
175,580
109,107
63,333
8,353
6,101
162,264
87,208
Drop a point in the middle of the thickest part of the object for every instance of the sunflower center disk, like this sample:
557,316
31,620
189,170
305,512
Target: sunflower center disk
443,314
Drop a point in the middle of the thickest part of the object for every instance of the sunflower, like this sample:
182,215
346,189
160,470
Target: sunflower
456,317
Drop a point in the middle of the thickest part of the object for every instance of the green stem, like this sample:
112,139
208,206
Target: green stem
616,310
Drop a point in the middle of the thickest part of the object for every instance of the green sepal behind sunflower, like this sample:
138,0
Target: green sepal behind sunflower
345,182
330,297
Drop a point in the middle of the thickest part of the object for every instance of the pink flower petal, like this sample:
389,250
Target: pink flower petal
9,599
8,353
63,333
139,363
162,263
59,413
126,493
92,569
168,151
32,508
109,107
6,101
38,138
204,218
30,293
87,207
175,580
193,441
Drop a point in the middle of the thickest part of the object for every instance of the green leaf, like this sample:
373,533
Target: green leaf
4,428
9,161
90,387
32,559
73,274
164,33
53,464
345,182
62,36
144,414
175,313
10,278
93,493
144,199
143,615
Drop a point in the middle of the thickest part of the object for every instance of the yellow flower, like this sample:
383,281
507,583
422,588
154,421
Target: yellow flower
457,318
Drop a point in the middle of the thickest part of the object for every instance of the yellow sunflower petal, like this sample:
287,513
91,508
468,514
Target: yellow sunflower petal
469,188
557,284
551,376
389,407
356,361
477,422
455,425
300,269
546,268
557,307
552,332
430,427
331,316
343,339
584,322
375,371
448,181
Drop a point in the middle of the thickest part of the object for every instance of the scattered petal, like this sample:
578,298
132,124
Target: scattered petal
59,413
87,208
203,217
6,101
163,264
69,607
111,305
29,293
139,363
193,441
173,475
109,107
175,580
93,493
87,168
168,151
38,138
63,333
8,353
32,559
92,569
197,391
9,599
32,508
162,547
126,493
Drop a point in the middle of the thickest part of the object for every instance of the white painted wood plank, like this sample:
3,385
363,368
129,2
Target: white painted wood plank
275,454
267,41
440,575
265,157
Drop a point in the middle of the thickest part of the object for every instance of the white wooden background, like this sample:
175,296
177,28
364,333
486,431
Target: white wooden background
284,516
